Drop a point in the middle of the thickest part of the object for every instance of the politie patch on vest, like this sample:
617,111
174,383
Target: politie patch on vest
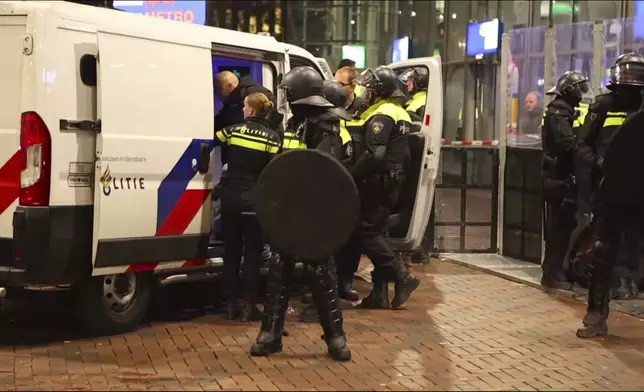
377,126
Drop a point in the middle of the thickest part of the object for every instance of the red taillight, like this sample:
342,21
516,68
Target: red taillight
427,118
35,161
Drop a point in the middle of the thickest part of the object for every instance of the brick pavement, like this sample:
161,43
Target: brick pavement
463,330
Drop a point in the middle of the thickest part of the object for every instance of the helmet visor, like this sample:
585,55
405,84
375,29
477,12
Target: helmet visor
367,78
631,74
587,93
406,76
282,99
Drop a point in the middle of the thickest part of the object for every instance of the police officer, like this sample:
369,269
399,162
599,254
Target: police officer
558,168
417,80
605,115
378,170
337,95
311,128
252,144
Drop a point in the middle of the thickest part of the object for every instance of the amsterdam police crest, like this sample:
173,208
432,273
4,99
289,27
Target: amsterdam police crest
106,181
377,126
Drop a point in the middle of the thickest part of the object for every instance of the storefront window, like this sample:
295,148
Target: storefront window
458,15
515,14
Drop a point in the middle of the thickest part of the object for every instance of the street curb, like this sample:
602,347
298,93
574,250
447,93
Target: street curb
560,293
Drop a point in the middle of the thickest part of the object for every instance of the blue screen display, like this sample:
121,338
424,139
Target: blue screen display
184,11
483,37
400,50
638,28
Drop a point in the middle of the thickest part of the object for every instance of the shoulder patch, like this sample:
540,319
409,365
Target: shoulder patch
377,126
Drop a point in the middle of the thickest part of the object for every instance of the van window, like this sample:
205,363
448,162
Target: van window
297,61
88,70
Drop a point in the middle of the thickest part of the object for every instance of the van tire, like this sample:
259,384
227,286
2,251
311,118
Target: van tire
100,314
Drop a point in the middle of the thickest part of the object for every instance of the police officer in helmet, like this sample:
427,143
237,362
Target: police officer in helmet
312,128
558,174
338,96
610,221
378,170
417,80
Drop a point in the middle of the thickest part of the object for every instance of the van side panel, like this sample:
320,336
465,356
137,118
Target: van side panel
12,31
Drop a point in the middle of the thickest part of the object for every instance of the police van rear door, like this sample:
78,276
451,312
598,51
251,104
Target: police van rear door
408,224
152,194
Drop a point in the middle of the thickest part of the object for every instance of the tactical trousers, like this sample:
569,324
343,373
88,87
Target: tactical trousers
242,236
347,260
373,236
323,283
560,224
609,226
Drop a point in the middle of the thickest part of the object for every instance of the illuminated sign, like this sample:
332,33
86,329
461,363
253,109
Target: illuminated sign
400,50
184,11
484,37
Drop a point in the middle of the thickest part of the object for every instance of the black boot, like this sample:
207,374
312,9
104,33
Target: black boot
406,283
379,296
597,313
347,292
249,312
278,293
310,314
324,287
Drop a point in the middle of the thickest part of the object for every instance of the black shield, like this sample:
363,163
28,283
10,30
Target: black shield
623,162
307,204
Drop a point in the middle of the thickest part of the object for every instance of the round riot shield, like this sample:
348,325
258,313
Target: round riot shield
623,160
307,204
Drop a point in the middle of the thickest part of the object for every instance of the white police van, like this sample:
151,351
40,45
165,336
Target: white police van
106,127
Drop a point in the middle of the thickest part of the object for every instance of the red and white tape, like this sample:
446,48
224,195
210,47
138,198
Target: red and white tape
470,142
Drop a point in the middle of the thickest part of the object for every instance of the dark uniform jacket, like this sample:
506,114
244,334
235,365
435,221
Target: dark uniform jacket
231,113
605,115
558,149
251,146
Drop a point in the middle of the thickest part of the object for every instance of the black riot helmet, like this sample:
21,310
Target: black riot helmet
571,84
338,96
303,86
627,71
383,82
419,75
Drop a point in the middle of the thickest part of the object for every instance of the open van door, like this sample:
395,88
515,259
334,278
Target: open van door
154,138
409,220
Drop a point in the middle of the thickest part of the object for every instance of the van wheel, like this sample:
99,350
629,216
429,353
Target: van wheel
113,304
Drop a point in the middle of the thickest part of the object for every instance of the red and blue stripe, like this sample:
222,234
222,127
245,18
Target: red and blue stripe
176,205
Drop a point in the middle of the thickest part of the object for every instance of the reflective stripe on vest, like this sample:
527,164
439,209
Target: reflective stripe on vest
417,101
344,133
291,142
615,119
238,137
583,111
579,121
387,108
